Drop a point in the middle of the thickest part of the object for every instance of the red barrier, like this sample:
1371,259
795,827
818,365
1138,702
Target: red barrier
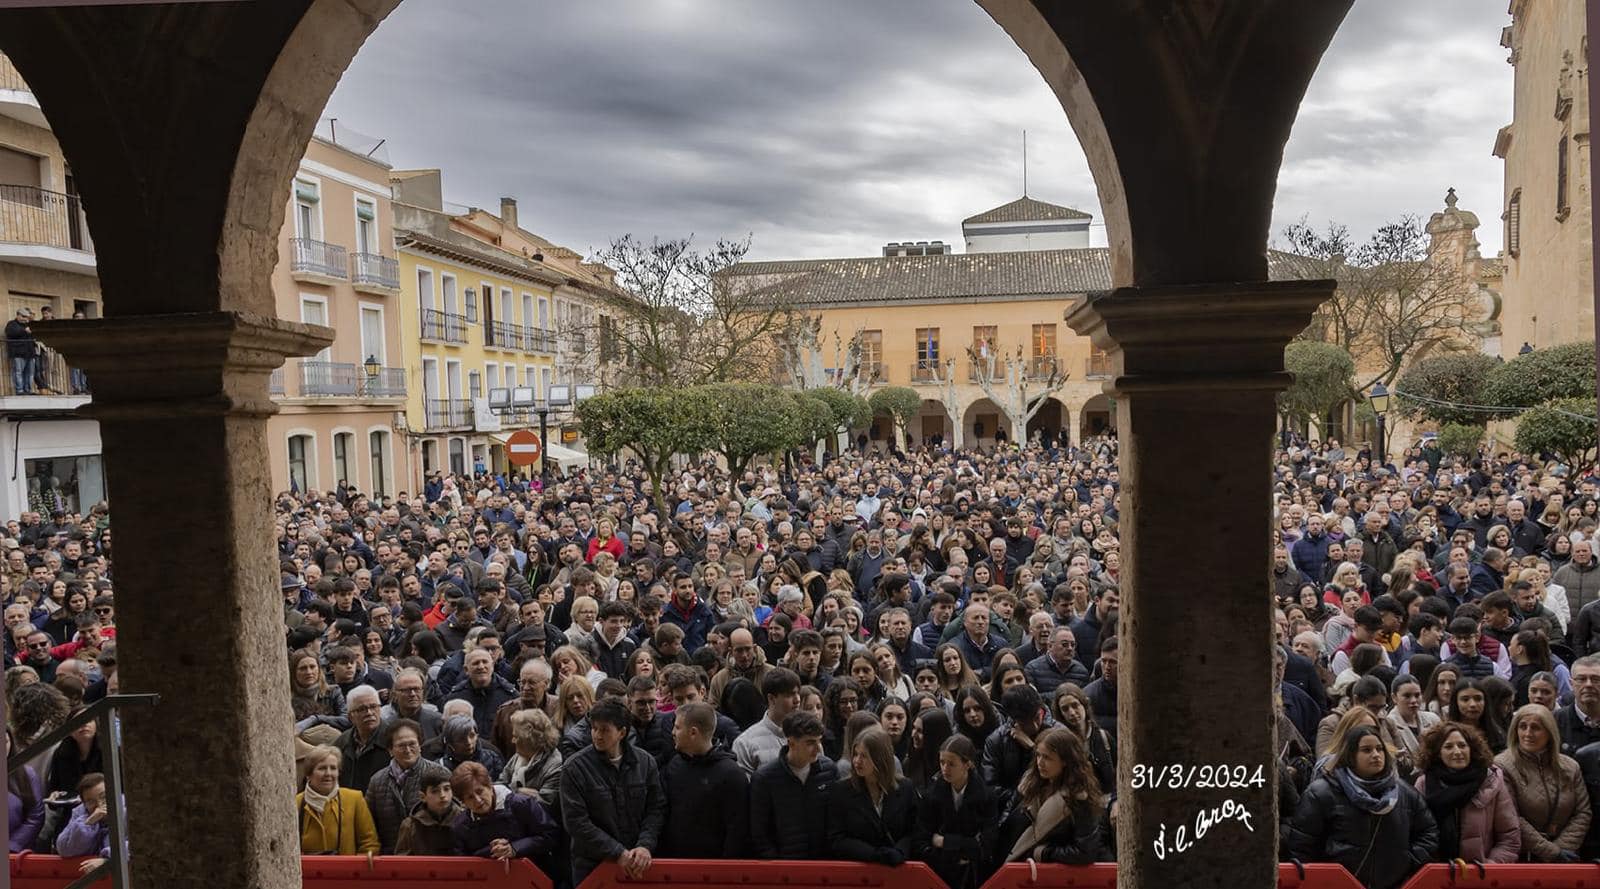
711,874
332,872
1507,876
1104,876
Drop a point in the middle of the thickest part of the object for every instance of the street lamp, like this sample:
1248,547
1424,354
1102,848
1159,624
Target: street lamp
1379,399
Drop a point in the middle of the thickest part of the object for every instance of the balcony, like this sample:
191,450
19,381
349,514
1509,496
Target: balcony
388,382
927,372
872,374
441,414
443,327
336,379
45,229
1040,367
375,273
1097,367
316,262
16,97
49,382
275,383
502,335
539,340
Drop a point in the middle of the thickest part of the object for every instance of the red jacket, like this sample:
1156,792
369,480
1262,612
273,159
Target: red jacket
612,546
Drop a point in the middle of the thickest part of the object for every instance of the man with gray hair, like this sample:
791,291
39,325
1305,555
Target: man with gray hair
1378,546
363,747
533,693
408,700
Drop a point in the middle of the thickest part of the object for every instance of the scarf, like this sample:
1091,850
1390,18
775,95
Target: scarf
1375,796
1447,792
318,801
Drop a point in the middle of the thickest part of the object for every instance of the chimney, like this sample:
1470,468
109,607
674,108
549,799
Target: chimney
508,212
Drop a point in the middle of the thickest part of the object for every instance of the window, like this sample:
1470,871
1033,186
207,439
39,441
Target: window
487,291
1563,205
474,384
430,455
607,339
1514,223
927,347
508,313
307,221
366,226
491,372
447,284
872,354
544,314
372,334
301,452
472,305
458,456
378,445
527,310
314,310
343,444
19,168
985,340
1044,340
544,383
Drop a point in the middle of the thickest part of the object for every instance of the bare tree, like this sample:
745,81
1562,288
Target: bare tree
805,357
673,319
1028,383
1398,298
944,376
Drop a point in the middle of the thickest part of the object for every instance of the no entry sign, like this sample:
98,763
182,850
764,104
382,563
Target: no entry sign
523,448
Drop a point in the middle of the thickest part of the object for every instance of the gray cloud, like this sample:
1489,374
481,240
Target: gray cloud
830,127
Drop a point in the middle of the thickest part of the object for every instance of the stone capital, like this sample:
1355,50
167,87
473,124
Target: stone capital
163,367
1198,337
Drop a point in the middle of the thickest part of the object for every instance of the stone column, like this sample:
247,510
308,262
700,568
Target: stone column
1195,372
182,405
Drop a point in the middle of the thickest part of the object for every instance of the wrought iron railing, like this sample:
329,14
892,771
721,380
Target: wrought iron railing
503,334
275,383
318,258
33,215
1041,367
447,413
388,382
443,326
1097,367
329,378
374,270
539,340
927,371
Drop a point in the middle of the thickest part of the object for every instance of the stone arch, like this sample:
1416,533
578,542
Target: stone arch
1052,422
1095,417
932,423
980,420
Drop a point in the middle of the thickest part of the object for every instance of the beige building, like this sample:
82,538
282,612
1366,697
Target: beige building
1549,261
340,411
913,315
47,265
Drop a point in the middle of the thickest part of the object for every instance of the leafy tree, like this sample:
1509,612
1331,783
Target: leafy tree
1460,439
817,421
749,420
1457,377
849,411
1323,379
1542,375
901,403
1564,427
655,423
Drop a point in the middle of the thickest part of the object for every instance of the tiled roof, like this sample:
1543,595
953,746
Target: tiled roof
954,277
1026,210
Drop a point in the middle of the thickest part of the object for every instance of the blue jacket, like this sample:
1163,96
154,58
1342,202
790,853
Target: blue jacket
1310,554
978,658
1485,580
696,624
518,818
80,837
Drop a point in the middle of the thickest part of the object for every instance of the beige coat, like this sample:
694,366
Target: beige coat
1553,809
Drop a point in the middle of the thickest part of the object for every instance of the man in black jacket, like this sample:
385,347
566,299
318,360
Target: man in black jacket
484,689
612,805
707,795
1008,751
1579,722
786,798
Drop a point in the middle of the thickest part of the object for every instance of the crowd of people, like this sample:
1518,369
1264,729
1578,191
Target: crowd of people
880,657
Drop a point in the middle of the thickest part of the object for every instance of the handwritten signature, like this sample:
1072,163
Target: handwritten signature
1204,820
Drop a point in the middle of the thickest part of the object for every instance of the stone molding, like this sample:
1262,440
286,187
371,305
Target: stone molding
179,366
1194,338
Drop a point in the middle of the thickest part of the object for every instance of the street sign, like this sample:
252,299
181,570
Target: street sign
523,448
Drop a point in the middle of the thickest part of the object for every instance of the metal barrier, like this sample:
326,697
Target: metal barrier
1104,876
332,872
1506,876
712,874
103,712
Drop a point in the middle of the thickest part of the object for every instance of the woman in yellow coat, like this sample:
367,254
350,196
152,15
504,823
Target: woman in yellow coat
334,820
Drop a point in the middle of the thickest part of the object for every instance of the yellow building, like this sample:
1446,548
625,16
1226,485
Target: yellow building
918,307
47,266
490,308
1549,261
336,267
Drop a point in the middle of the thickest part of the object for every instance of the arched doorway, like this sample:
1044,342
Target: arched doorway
1095,418
1050,423
932,426
981,421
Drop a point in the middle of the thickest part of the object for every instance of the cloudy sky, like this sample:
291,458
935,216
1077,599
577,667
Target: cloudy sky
830,127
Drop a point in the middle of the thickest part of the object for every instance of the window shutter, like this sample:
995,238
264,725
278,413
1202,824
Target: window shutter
305,191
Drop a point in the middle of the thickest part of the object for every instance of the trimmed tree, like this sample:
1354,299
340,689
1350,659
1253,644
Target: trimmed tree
1542,375
1564,427
1323,379
901,403
1460,439
749,420
849,411
655,423
815,417
1458,378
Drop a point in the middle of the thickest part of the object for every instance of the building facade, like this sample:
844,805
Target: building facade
490,308
1548,257
338,410
47,266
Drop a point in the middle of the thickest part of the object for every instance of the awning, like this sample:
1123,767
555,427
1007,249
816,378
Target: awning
566,457
499,438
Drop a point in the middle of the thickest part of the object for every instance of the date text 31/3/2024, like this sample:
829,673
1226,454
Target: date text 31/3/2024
1176,777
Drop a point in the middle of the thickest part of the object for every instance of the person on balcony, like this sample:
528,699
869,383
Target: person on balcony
23,351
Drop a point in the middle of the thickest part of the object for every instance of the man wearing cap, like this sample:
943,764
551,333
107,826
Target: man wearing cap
24,352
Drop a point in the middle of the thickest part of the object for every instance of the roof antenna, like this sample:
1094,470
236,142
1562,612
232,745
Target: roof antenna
1024,163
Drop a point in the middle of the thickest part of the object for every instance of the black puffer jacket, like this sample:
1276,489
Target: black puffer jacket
857,831
1381,851
608,809
786,817
708,801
